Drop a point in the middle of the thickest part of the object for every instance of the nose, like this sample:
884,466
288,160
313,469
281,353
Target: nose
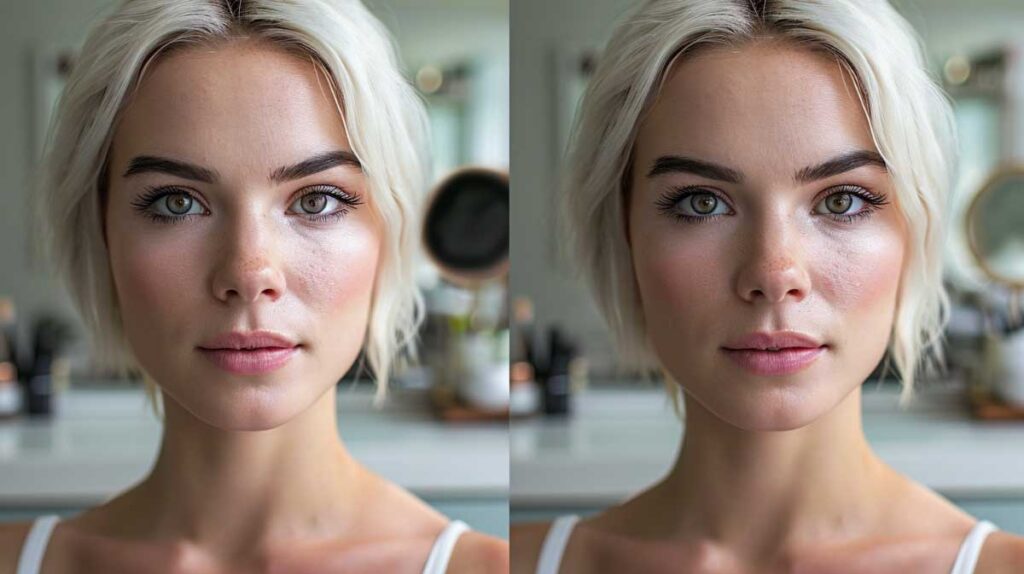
773,266
248,266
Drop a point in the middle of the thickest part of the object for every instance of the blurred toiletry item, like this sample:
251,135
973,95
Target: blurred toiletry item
9,331
1010,382
39,387
525,395
557,379
51,336
524,346
10,391
483,369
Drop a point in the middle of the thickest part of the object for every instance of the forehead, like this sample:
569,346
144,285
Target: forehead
765,106
237,102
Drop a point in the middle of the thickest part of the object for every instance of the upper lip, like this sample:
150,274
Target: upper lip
248,340
773,340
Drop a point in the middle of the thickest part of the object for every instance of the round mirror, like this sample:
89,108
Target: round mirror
995,227
995,233
466,230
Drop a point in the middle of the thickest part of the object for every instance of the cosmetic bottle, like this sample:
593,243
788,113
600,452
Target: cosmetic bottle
525,393
557,381
8,329
10,392
39,388
51,335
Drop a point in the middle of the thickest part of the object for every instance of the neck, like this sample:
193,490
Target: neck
761,491
234,491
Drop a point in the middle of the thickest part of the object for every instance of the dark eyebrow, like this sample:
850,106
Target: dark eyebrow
835,166
148,163
315,164
680,164
841,164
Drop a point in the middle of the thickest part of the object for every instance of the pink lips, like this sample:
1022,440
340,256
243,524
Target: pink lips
774,363
251,353
774,354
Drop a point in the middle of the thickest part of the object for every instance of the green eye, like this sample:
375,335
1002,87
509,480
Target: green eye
317,202
324,202
839,203
703,203
693,205
314,203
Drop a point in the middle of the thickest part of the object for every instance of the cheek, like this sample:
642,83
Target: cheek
678,278
149,274
667,270
861,273
337,276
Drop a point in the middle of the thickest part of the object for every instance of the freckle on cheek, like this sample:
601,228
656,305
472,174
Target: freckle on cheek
864,275
780,264
343,274
253,264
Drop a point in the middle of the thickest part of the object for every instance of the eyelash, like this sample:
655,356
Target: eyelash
154,194
347,200
667,204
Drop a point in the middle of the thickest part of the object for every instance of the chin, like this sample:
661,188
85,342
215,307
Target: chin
781,408
245,406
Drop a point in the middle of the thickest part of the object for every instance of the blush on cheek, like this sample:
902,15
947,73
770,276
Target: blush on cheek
156,289
338,275
863,272
676,273
151,277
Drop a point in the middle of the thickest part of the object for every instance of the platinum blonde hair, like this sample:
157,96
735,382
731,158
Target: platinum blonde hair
911,121
384,117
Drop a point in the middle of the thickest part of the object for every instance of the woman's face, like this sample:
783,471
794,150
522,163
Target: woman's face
758,205
236,205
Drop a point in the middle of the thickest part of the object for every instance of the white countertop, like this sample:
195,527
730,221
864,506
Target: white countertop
105,440
620,441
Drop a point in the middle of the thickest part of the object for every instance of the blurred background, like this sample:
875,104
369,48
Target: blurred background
72,434
587,433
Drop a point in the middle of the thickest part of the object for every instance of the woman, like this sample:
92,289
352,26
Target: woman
232,195
756,193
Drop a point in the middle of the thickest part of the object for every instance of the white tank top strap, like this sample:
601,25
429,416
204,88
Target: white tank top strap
554,544
970,550
444,545
34,547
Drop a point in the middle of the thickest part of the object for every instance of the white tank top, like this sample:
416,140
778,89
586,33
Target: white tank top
34,548
561,529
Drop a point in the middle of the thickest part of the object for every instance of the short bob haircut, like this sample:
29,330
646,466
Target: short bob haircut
911,121
384,118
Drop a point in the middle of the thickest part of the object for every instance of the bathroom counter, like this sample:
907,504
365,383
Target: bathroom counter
102,441
619,441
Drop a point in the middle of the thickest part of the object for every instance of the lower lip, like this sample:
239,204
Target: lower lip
254,362
775,363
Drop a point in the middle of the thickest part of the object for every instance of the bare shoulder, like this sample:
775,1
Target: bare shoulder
12,536
526,541
477,552
1002,553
